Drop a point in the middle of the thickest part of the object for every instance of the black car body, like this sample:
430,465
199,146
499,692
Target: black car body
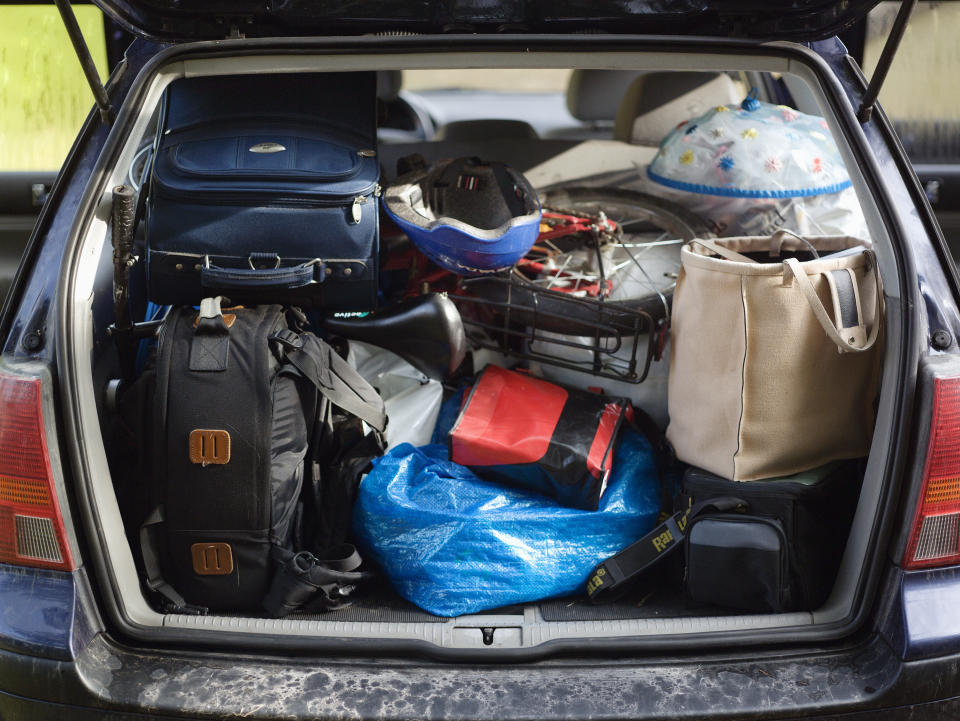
72,645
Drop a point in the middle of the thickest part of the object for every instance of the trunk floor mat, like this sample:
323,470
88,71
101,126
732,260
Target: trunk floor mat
654,605
384,605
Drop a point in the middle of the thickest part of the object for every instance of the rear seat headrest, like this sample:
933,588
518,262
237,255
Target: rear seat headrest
388,84
594,95
655,102
486,129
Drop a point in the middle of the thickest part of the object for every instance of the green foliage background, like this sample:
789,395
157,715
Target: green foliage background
44,97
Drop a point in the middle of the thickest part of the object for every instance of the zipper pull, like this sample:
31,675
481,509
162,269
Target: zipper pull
357,209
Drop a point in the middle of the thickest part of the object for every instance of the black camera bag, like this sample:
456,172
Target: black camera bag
780,550
258,444
769,546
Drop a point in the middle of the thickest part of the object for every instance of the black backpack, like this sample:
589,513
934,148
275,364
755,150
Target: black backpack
258,444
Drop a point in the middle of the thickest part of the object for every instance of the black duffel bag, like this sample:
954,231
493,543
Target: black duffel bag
259,441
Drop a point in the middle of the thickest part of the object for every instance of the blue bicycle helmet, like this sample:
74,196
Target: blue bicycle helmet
467,215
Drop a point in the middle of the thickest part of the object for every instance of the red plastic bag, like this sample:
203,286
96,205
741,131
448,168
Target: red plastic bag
536,435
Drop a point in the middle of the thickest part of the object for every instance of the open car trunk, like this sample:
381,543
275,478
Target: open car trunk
654,612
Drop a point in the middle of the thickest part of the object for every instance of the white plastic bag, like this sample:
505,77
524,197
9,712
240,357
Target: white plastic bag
412,400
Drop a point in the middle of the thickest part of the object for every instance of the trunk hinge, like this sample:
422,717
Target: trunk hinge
886,57
86,61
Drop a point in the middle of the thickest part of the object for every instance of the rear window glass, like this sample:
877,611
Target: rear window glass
920,94
45,96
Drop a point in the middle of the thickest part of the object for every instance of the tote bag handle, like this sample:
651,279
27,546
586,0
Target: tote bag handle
722,251
841,333
776,243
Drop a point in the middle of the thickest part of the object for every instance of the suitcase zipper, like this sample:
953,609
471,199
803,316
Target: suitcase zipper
354,201
356,209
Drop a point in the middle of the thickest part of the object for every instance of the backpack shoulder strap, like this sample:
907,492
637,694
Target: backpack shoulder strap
333,377
154,580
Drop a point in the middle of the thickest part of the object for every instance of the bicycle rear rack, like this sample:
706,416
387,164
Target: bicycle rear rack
524,321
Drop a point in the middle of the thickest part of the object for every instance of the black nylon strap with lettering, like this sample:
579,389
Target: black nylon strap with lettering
657,544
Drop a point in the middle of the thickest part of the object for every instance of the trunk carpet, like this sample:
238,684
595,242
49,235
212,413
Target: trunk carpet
665,601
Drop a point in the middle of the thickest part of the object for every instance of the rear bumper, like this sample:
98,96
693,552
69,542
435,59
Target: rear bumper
38,711
106,677
56,663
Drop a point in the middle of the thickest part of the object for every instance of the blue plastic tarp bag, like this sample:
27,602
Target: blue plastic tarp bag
455,544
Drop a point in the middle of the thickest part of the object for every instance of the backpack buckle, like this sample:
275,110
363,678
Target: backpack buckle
288,339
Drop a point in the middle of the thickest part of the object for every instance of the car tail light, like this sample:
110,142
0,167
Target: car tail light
935,537
31,525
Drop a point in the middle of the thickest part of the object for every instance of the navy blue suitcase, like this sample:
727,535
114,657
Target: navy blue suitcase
264,188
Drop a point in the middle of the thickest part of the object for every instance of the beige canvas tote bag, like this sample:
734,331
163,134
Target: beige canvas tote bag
774,365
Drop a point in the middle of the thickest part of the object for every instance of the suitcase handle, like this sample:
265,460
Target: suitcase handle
213,276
